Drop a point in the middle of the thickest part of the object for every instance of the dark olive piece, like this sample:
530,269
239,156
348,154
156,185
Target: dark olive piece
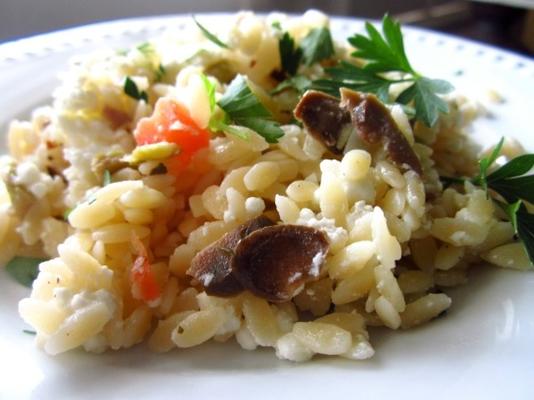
276,261
375,125
323,118
332,122
212,267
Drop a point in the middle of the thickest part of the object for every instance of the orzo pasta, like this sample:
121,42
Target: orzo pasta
186,190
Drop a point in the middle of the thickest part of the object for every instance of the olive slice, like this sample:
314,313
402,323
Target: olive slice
324,119
212,267
276,261
332,122
375,125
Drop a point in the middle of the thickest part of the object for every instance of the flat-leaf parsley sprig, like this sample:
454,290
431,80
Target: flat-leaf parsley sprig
385,53
511,184
315,47
242,108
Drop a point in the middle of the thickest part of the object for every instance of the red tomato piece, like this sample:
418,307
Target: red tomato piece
142,276
172,123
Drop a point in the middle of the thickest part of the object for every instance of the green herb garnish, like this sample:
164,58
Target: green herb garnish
28,332
160,73
510,183
290,54
24,269
131,89
210,36
210,89
384,53
242,107
317,46
106,178
298,82
276,25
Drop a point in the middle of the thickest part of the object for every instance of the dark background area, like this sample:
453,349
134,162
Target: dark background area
505,23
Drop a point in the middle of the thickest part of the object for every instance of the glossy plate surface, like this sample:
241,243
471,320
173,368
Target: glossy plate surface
482,349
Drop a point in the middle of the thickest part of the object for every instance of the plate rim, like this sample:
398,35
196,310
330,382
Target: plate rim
30,47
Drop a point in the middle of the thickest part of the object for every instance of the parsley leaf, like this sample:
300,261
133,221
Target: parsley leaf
511,212
210,36
298,82
509,180
515,167
525,230
131,89
352,77
485,163
210,89
510,183
317,46
24,269
277,25
427,104
243,108
160,73
290,55
385,53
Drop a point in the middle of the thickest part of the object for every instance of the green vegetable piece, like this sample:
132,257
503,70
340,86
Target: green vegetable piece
515,167
317,46
525,230
106,178
160,73
427,104
290,55
210,36
24,269
210,89
131,89
384,53
300,83
28,332
243,108
153,151
276,25
485,163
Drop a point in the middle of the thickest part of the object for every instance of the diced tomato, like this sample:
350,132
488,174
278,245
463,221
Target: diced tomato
172,123
145,286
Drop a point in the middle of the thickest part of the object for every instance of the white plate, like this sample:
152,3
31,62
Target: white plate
483,348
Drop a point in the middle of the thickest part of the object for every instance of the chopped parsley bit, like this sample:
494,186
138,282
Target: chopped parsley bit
28,332
146,48
242,107
298,82
510,183
106,178
24,269
317,46
66,213
210,36
131,89
385,53
160,73
210,89
276,25
290,55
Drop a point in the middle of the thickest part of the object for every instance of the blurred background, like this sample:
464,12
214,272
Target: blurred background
505,23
